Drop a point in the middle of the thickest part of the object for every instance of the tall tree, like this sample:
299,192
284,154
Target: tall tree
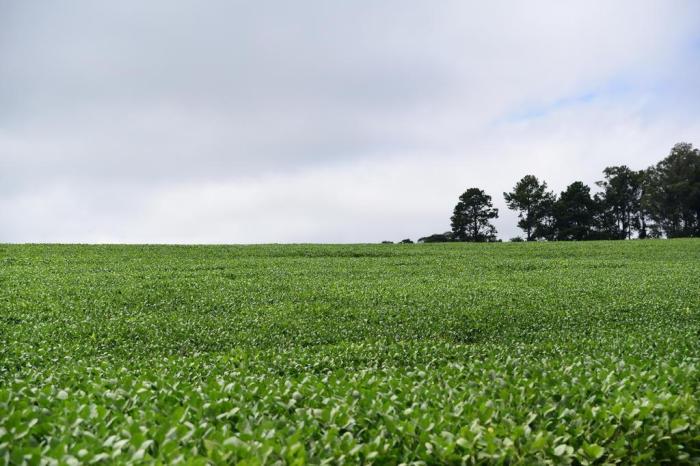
605,223
672,192
620,202
532,201
546,227
472,215
649,218
648,227
574,213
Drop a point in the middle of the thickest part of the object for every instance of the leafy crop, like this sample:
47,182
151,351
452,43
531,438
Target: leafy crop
557,353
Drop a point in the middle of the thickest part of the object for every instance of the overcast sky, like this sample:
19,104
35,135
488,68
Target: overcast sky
323,121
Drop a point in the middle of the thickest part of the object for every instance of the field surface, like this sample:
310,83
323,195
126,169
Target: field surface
560,353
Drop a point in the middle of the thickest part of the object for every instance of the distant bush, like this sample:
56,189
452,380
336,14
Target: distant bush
437,238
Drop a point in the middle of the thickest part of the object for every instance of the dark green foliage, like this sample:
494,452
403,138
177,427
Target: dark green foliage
437,238
536,353
672,192
546,226
620,203
574,213
406,241
533,203
471,219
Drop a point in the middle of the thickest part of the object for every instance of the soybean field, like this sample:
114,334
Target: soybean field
504,353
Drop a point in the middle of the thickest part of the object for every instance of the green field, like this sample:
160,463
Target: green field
564,353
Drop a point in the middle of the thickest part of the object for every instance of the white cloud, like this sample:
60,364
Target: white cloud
167,122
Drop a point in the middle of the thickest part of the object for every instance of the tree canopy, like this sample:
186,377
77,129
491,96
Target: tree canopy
663,200
672,194
471,219
574,212
533,202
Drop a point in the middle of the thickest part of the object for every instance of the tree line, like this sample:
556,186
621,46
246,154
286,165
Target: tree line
660,201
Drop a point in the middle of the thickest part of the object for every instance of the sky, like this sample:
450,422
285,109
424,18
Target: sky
324,121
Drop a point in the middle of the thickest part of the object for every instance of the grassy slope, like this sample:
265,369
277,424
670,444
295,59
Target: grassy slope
562,352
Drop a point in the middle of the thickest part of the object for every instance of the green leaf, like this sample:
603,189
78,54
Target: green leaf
594,451
679,425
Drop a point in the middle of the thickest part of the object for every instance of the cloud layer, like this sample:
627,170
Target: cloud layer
323,121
